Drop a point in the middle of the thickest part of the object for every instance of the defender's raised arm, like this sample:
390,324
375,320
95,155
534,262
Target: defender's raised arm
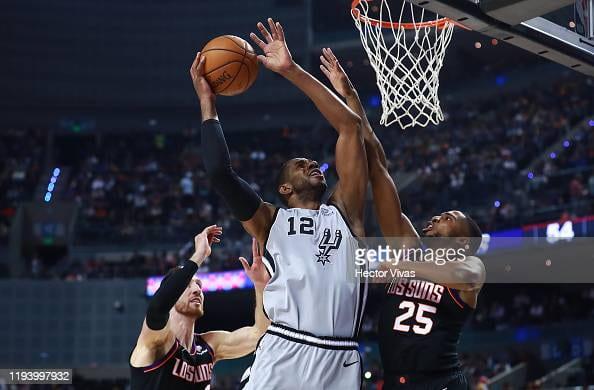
392,220
240,342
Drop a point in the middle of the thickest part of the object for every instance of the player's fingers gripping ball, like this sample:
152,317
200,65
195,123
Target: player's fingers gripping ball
230,66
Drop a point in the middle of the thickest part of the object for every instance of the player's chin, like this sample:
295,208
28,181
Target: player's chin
318,182
194,310
197,312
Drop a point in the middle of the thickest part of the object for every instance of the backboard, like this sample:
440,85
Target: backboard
546,28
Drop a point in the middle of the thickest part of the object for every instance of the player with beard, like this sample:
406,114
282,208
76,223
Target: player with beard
421,319
313,301
169,354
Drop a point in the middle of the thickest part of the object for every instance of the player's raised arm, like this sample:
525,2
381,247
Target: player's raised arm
254,214
230,345
392,220
351,163
156,337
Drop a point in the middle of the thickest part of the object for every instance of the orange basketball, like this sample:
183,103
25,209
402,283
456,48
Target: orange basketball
231,66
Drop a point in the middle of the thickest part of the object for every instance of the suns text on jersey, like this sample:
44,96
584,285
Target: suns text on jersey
419,289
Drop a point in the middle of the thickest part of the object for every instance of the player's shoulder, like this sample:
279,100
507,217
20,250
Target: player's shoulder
202,343
269,208
337,209
477,263
208,342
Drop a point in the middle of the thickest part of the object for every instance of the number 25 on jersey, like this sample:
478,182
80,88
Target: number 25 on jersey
421,325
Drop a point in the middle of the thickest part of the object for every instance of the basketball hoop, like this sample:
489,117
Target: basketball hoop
407,70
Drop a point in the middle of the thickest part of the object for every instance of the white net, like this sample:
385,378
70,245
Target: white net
407,62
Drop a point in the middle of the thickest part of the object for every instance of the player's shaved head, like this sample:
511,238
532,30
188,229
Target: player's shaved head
300,179
474,232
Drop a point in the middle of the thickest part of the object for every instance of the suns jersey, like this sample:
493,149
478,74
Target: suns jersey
314,286
419,328
179,369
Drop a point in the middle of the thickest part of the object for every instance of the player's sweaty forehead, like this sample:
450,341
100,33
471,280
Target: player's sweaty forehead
456,214
299,161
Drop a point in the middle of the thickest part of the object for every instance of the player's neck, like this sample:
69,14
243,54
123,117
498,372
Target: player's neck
305,204
305,200
182,327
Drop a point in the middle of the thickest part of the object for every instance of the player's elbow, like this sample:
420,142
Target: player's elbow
156,316
351,124
468,278
217,170
254,337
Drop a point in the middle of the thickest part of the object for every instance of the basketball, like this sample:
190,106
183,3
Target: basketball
231,66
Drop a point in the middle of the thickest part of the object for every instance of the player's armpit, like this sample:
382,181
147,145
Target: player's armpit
231,345
260,223
151,346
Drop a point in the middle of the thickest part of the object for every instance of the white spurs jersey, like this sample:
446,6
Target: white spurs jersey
314,286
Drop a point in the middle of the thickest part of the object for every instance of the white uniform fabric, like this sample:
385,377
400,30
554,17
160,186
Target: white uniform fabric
314,287
283,363
315,301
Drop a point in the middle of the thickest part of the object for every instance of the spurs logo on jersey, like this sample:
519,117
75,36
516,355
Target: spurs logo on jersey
311,255
327,244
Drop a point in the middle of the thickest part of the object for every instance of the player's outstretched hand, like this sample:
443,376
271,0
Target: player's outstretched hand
203,241
257,271
277,56
201,86
335,73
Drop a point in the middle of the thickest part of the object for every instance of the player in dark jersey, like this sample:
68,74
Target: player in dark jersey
421,318
169,354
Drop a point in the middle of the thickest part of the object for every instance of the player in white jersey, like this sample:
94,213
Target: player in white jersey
314,300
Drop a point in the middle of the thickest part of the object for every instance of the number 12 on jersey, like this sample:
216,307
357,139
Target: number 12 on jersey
305,226
423,323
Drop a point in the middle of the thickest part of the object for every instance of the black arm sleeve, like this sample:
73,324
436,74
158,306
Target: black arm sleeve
172,287
237,193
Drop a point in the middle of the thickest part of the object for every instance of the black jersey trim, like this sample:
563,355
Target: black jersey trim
346,221
160,362
208,347
267,254
270,261
268,233
329,338
361,304
264,250
299,341
455,295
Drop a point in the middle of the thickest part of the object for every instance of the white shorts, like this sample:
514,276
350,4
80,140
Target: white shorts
288,359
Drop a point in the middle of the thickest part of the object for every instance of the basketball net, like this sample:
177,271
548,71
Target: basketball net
406,63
